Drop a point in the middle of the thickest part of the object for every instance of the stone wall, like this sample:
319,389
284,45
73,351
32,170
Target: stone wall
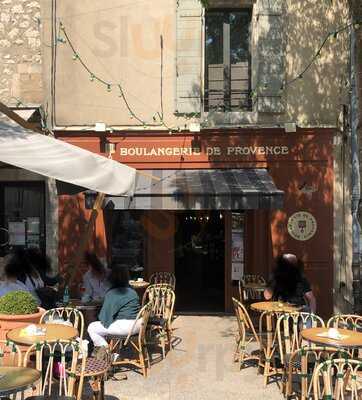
20,53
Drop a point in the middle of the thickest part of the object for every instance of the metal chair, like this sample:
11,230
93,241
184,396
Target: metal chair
162,297
135,340
67,314
69,357
338,379
163,277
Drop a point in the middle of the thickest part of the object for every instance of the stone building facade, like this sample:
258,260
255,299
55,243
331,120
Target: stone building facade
21,87
20,53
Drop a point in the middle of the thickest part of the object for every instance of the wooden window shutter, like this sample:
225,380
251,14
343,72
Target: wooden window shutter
270,56
188,56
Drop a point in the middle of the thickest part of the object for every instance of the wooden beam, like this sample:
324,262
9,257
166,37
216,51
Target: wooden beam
16,118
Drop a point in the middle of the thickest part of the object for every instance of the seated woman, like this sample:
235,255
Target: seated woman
95,280
10,280
289,284
119,311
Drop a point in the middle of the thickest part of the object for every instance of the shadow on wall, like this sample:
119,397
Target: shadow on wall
73,220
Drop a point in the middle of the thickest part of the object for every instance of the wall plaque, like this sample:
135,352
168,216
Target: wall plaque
302,225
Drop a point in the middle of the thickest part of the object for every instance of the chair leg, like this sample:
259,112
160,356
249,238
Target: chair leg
98,388
163,344
142,362
169,339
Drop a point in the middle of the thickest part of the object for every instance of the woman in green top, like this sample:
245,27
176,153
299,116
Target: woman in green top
119,311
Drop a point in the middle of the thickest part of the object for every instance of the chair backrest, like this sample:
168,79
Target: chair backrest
346,321
308,358
338,379
61,360
143,316
245,324
163,277
68,314
288,328
253,278
248,294
10,354
162,297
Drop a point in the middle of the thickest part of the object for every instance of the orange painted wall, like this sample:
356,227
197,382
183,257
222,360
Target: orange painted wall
305,173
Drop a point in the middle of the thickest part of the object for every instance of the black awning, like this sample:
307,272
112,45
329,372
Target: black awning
201,189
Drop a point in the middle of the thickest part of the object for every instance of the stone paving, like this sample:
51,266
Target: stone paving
200,367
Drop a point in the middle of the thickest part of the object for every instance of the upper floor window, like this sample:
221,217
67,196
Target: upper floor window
228,60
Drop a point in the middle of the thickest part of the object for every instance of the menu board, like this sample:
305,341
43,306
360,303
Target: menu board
237,246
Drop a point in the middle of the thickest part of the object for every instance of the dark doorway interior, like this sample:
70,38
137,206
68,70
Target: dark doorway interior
199,261
22,216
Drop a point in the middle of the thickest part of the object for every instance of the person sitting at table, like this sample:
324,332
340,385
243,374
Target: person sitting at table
289,284
10,281
95,280
118,313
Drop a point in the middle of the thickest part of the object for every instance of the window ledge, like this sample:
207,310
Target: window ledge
214,119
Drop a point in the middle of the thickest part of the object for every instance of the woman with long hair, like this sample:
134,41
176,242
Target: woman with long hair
289,284
14,275
95,280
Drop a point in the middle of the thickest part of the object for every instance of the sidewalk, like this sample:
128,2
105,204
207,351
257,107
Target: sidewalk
200,367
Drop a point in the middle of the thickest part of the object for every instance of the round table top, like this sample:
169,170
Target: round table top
319,336
16,379
274,306
139,284
53,332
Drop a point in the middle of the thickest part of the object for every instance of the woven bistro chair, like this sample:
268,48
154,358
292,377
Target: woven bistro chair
163,277
300,380
248,295
68,315
162,298
10,354
135,341
67,356
247,335
289,339
347,321
338,379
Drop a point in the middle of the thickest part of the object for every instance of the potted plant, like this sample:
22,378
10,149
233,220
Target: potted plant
18,309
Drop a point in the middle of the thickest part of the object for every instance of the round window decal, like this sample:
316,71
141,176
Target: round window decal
302,225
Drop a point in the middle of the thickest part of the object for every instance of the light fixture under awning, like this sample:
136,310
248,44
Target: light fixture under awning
201,189
57,159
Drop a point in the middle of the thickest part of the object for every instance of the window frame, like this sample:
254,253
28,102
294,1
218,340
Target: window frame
227,107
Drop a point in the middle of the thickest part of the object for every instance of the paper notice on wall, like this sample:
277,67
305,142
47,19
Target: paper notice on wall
17,233
237,254
33,241
33,225
237,271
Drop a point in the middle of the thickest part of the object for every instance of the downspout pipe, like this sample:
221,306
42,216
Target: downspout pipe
355,180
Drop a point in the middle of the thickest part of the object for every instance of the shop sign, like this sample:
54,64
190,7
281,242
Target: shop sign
176,151
302,226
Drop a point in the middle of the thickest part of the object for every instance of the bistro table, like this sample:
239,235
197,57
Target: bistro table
270,309
140,287
53,332
348,338
17,379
